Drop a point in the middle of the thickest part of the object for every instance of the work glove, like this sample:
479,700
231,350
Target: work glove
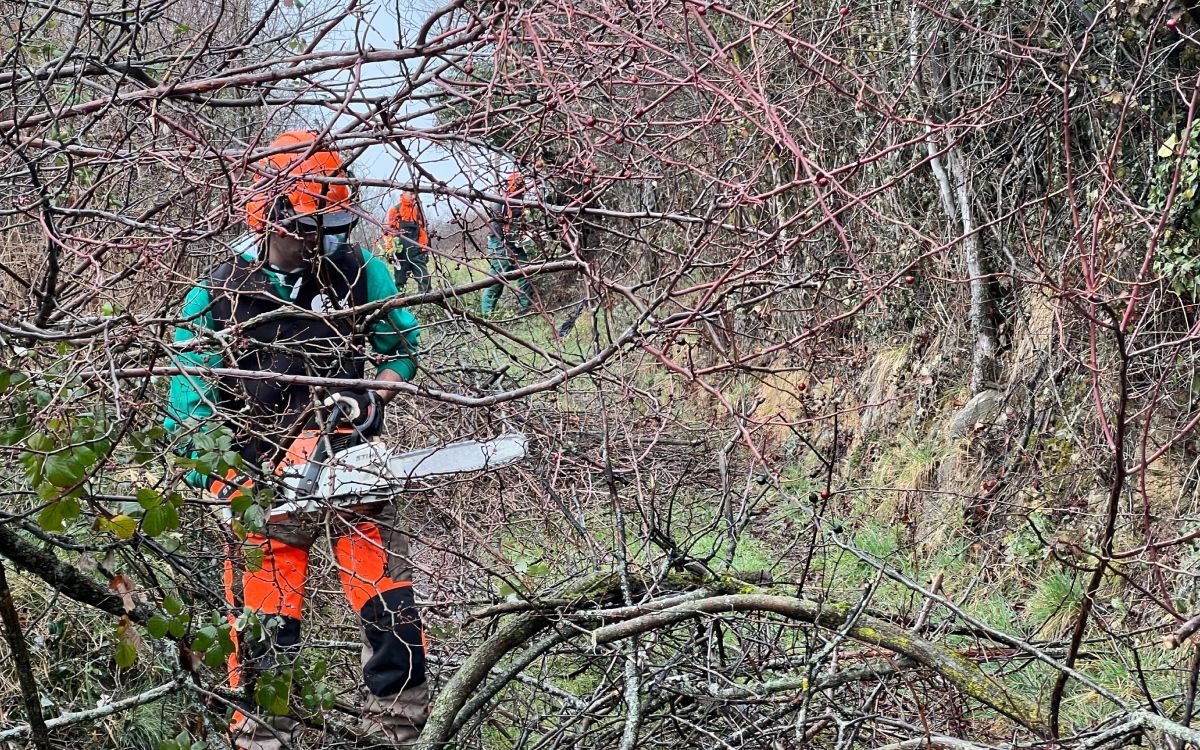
362,410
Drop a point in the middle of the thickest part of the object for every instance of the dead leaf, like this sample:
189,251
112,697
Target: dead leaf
123,586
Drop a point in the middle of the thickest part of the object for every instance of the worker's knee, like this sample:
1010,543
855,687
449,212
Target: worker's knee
394,649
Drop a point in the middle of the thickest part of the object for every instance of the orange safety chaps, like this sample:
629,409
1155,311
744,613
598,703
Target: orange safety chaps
372,556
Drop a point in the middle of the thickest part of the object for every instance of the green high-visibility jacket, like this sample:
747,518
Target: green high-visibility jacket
193,398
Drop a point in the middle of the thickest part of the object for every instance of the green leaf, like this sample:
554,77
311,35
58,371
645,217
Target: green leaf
264,694
255,518
40,441
51,518
61,470
204,638
240,503
177,626
214,658
122,526
225,638
158,626
48,492
84,456
126,653
158,519
254,558
16,433
173,605
70,504
148,498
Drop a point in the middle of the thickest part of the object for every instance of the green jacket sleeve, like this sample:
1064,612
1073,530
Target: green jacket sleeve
192,396
398,335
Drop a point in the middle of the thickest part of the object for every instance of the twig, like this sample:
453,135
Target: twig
952,666
1185,631
935,740
107,709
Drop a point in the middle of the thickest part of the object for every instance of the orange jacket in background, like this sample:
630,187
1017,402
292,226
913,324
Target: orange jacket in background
406,220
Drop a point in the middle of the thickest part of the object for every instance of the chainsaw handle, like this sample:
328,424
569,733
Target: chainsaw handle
312,469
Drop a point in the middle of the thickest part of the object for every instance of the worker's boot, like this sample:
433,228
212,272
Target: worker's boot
393,659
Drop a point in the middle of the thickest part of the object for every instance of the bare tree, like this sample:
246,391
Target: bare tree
860,370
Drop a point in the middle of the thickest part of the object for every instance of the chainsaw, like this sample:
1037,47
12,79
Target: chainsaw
336,468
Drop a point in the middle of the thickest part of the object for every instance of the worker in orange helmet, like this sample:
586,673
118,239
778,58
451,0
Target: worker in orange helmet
506,226
294,267
406,241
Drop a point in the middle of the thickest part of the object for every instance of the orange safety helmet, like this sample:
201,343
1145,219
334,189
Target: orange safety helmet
283,197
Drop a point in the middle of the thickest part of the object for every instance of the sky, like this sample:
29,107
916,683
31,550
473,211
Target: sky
387,24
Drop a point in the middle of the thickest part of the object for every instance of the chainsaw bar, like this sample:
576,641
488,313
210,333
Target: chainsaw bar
370,473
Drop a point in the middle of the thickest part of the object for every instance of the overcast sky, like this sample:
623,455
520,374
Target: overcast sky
382,24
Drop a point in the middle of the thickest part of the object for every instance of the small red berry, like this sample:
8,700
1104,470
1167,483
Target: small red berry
634,78
1172,23
910,280
469,68
591,121
619,139
822,180
701,10
802,386
824,494
844,10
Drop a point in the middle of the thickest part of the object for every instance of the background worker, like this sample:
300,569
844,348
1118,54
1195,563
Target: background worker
406,238
288,270
506,227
